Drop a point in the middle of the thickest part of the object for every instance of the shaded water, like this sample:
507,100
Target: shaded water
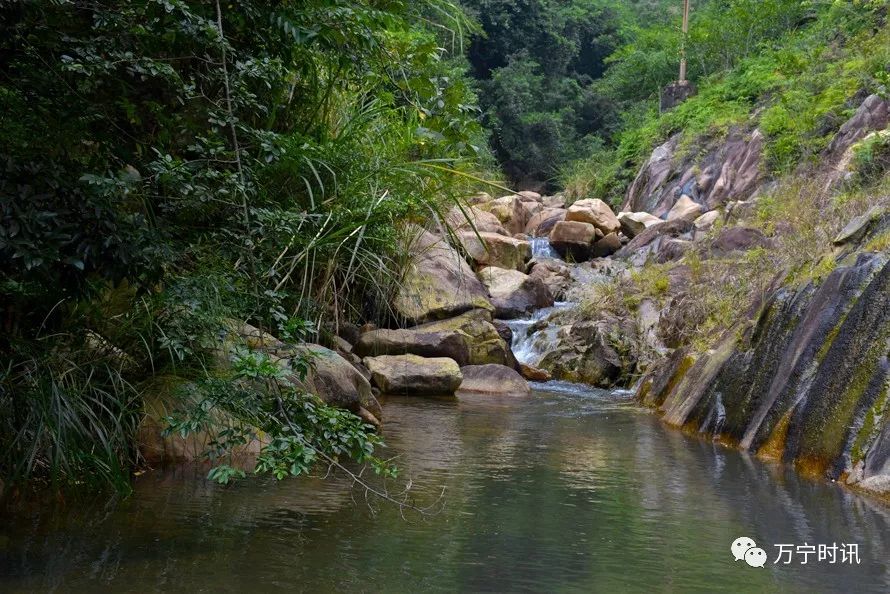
560,492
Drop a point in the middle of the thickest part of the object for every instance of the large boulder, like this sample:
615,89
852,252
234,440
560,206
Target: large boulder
600,353
491,249
511,211
514,293
859,227
330,376
634,223
162,399
438,283
493,379
606,246
528,195
873,114
597,213
333,379
543,221
471,218
651,241
685,208
555,275
484,342
706,221
557,201
411,374
573,239
446,343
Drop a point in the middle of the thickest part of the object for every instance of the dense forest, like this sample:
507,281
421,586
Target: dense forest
172,170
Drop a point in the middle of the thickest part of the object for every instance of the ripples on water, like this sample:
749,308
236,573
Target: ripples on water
570,490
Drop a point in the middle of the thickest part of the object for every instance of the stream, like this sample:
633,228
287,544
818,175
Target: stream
568,490
571,489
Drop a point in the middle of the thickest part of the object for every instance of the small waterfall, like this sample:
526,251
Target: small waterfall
541,248
531,344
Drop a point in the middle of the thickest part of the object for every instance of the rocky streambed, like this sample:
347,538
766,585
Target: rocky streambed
489,301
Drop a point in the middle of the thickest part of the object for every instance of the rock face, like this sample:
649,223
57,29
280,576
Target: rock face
606,246
685,208
334,379
331,377
438,283
511,211
729,169
484,342
555,275
543,221
584,352
573,239
653,240
514,293
446,343
410,374
808,383
493,379
491,249
859,227
597,213
471,217
634,223
873,114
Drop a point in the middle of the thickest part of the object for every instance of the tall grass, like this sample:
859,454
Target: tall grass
68,415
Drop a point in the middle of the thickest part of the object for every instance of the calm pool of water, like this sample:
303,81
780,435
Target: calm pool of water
560,492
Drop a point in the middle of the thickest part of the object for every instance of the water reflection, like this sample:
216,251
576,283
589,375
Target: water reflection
562,491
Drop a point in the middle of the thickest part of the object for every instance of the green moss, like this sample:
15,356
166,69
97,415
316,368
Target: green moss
866,433
823,441
879,243
829,340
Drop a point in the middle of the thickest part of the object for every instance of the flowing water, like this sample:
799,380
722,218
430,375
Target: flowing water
563,491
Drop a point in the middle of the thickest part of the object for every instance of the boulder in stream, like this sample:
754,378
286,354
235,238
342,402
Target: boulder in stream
514,293
573,239
597,213
414,375
555,275
470,218
493,379
444,343
491,249
484,342
543,221
511,211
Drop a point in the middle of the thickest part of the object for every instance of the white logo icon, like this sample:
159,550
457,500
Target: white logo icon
755,557
741,545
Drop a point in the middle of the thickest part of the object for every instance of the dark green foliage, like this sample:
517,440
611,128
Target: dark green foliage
168,165
535,63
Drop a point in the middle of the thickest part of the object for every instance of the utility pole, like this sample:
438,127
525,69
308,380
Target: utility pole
682,79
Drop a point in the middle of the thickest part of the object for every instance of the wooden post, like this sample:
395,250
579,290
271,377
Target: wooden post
683,42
